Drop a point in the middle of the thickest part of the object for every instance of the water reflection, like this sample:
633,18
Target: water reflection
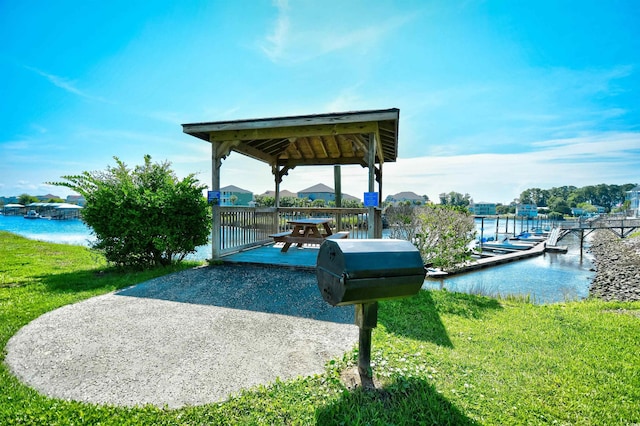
549,278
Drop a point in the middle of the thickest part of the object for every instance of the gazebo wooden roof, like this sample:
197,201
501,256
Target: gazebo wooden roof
320,139
367,138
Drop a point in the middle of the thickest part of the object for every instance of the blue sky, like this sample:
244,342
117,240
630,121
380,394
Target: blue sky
494,96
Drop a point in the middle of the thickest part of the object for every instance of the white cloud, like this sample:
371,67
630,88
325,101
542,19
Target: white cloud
277,41
295,37
65,84
347,100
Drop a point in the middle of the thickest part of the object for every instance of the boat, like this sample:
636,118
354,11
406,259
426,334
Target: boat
505,245
32,214
435,272
526,237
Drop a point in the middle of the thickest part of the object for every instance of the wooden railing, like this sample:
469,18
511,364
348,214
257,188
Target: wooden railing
245,227
601,223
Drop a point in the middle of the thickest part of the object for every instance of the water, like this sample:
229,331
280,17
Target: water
72,231
552,277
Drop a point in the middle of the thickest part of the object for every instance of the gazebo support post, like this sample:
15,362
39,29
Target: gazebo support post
278,179
379,179
337,180
216,162
371,160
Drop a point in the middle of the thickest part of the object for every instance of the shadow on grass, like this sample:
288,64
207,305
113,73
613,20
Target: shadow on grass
105,278
418,317
404,401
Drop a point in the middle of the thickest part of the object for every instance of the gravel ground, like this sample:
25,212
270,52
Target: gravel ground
190,338
617,267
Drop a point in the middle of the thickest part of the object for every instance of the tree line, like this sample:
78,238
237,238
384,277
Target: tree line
563,198
269,201
557,199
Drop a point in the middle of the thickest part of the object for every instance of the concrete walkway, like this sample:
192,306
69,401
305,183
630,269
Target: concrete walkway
190,338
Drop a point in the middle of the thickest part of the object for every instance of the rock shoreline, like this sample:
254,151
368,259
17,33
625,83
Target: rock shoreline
617,263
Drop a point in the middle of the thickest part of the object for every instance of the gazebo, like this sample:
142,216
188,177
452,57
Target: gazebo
367,138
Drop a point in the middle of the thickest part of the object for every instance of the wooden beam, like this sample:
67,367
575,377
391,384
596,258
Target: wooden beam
371,160
223,149
306,149
216,163
361,146
332,146
320,161
379,151
337,184
293,152
346,146
392,115
294,131
318,147
252,152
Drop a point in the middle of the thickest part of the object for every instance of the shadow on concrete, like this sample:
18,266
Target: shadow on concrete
266,289
404,401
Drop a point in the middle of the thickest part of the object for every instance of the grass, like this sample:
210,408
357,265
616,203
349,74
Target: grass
443,358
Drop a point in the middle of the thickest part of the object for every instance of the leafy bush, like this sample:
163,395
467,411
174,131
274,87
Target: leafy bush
145,216
441,233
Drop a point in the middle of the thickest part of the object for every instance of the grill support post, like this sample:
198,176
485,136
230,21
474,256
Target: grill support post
366,320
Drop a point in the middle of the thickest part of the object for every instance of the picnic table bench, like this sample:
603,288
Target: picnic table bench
307,231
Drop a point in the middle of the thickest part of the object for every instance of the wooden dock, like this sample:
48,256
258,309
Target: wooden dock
486,262
305,257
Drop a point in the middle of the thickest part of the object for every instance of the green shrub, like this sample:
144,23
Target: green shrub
145,216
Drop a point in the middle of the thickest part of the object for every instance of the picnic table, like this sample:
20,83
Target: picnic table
307,231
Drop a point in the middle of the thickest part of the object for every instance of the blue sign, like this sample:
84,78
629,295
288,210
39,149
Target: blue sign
213,196
371,199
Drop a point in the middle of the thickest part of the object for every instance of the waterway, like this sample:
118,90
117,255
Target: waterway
549,278
552,277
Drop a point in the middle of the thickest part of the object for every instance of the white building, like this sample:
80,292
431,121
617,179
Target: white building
633,197
528,210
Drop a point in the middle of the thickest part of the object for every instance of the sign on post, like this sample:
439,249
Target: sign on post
213,196
371,199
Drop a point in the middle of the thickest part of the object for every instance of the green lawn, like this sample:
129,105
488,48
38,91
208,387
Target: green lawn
444,358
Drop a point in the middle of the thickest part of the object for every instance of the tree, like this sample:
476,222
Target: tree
559,205
25,199
352,204
145,216
264,201
587,207
455,199
441,233
535,196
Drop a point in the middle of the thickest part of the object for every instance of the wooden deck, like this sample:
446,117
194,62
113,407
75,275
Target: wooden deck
271,254
305,257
